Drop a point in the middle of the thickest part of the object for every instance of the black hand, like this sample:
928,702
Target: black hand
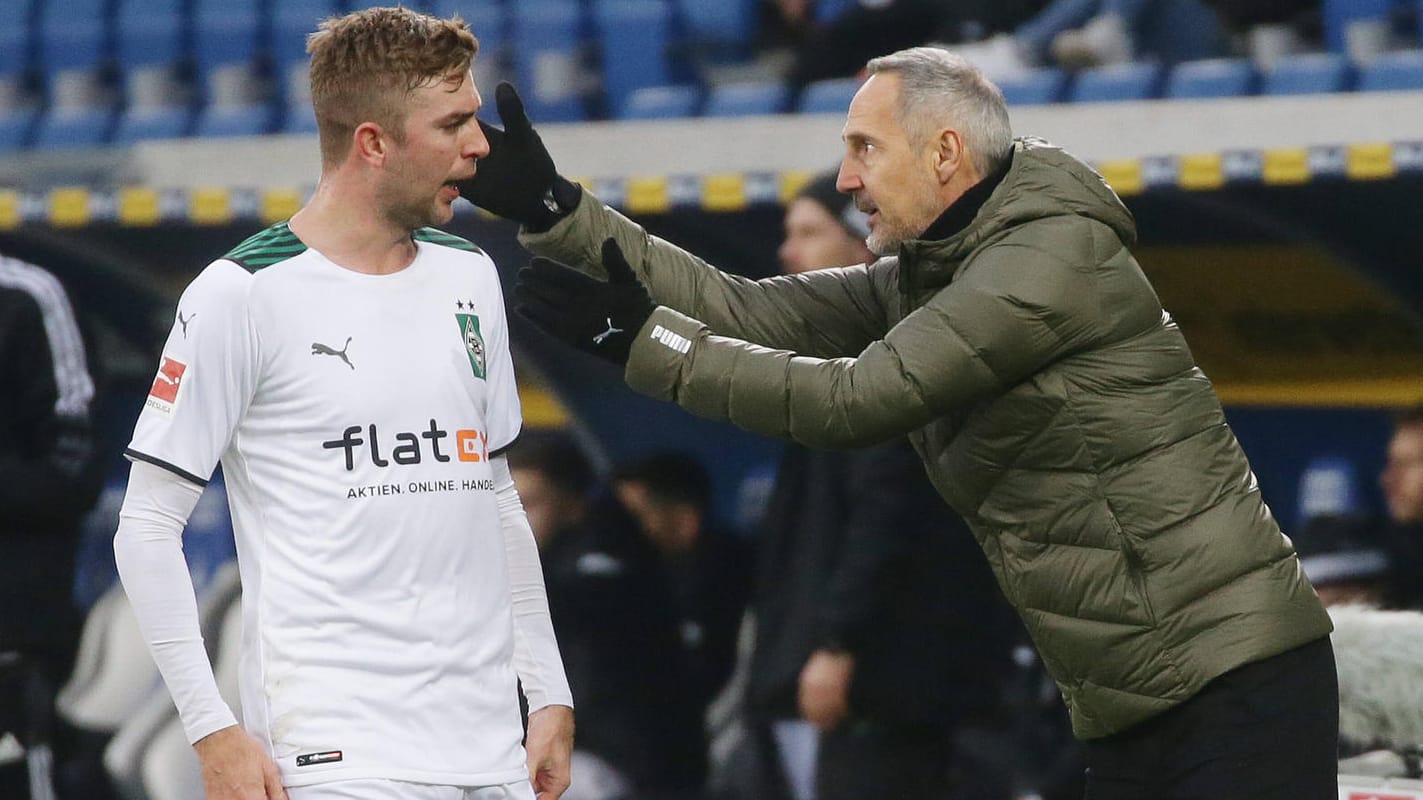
517,180
595,316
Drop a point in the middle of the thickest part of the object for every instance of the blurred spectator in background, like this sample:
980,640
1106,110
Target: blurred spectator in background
670,494
1090,33
1402,483
879,630
835,39
49,478
1343,558
639,734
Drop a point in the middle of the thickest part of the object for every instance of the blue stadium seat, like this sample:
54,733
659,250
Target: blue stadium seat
1212,77
747,99
150,33
16,31
660,102
73,127
1310,73
161,122
826,10
1139,81
1035,88
242,120
635,37
291,21
488,21
73,34
15,127
548,59
829,96
1393,72
1338,15
721,30
299,118
226,32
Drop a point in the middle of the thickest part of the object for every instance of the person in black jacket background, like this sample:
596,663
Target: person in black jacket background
879,629
711,570
639,730
49,478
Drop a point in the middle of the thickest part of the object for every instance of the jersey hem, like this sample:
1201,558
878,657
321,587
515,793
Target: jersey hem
290,778
134,455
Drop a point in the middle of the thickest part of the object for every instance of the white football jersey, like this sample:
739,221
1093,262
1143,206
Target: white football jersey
354,416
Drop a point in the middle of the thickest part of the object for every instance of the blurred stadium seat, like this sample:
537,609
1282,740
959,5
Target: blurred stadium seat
237,120
720,31
1339,16
1138,81
548,59
73,34
151,33
153,46
290,22
227,32
232,41
1214,77
826,10
1309,73
137,123
16,125
829,96
660,102
1035,88
1393,72
489,22
746,98
635,38
74,126
16,30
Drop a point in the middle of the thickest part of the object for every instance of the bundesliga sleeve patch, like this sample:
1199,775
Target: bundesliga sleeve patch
167,386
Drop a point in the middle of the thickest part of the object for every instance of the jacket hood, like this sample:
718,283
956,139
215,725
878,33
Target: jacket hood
1044,181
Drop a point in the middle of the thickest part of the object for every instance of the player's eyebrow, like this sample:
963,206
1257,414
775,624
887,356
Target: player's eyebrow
456,117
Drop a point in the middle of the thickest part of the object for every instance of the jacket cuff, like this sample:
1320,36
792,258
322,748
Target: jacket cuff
577,239
659,352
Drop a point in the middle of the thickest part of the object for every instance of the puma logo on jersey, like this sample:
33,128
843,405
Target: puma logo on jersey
184,322
319,349
602,337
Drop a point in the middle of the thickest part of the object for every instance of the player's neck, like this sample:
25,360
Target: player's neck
344,224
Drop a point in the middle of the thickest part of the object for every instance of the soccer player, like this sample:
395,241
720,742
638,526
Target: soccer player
350,370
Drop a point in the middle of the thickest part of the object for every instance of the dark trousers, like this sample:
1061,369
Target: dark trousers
1266,731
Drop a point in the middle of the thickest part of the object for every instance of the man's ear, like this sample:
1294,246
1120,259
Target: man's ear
949,154
371,143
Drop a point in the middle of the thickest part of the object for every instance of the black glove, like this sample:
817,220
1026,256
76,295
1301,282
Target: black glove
517,180
594,316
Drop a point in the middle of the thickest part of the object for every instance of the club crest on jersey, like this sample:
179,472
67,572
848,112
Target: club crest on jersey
167,385
473,343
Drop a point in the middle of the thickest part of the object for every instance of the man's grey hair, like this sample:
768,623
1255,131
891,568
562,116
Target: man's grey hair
939,89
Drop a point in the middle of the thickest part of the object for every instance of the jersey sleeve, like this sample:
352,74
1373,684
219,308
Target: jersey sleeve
505,416
205,377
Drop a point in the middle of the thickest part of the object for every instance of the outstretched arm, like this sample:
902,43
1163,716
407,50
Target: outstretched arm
833,312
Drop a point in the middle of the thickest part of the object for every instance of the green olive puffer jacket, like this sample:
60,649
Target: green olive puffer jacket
1056,407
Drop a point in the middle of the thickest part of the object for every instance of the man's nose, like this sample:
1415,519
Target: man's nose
847,181
478,146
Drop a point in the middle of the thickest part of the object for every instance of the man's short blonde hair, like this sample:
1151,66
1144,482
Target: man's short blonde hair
365,65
